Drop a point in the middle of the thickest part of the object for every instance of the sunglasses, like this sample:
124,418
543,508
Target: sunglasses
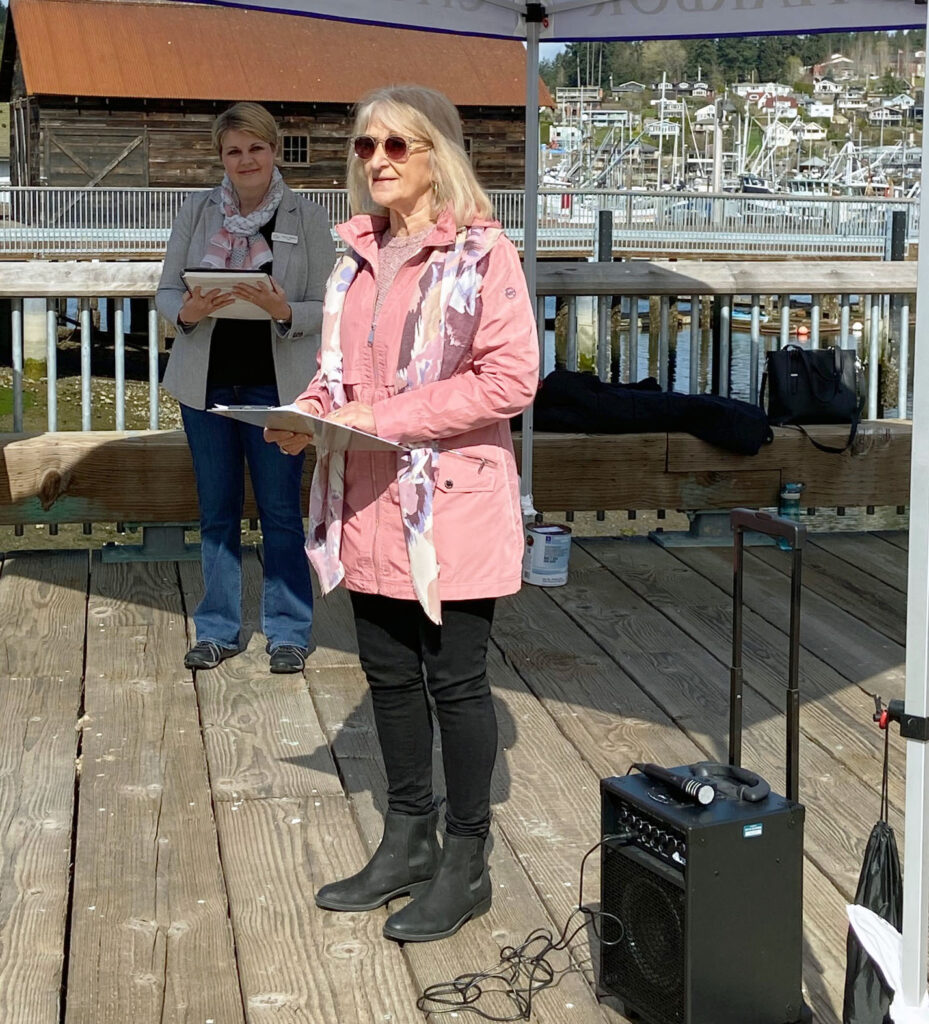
396,147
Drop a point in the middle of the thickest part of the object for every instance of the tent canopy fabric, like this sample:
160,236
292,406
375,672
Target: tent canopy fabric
573,20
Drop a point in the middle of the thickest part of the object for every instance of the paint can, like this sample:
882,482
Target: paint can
548,548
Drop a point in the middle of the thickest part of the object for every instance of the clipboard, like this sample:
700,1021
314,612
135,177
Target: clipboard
336,437
209,278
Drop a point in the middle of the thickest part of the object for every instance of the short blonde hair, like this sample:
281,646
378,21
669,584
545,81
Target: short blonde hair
245,117
421,113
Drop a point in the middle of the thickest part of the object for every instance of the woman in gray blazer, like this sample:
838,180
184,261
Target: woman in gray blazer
252,221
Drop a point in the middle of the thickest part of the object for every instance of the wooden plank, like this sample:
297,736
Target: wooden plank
870,473
832,712
97,476
261,733
151,940
79,278
43,599
864,597
104,476
879,438
691,683
147,476
853,648
616,471
344,707
42,606
298,963
614,717
333,630
878,558
900,538
721,277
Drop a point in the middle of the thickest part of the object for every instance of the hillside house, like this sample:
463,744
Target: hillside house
123,92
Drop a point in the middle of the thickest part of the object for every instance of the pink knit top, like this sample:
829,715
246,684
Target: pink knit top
393,252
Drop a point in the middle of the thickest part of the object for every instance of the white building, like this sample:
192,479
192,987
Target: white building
885,115
565,136
661,127
618,118
705,115
820,109
778,135
673,107
774,88
807,131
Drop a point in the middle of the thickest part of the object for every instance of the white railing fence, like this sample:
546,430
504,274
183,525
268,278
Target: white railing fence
698,327
103,222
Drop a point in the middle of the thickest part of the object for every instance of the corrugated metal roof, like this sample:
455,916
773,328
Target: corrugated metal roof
195,51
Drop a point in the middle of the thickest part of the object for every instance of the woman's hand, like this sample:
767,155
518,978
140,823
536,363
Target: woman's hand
355,414
200,304
289,442
271,299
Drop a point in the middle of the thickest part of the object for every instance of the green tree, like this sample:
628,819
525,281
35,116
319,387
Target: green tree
736,56
663,55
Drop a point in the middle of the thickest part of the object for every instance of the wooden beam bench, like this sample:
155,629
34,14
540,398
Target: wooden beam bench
147,476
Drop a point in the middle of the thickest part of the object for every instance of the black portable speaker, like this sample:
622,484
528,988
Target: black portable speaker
709,903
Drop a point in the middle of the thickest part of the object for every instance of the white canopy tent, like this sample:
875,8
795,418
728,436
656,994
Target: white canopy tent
568,20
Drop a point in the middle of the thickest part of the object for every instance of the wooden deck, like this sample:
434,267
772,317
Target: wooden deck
161,837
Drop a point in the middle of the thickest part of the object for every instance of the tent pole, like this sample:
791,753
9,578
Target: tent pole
530,229
916,700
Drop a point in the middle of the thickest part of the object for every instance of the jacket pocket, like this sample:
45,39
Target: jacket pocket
465,473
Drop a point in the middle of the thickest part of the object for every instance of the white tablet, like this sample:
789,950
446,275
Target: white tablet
209,278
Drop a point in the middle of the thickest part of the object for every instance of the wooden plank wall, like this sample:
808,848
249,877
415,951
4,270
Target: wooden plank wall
177,152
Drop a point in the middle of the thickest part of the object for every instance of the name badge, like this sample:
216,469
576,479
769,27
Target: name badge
276,236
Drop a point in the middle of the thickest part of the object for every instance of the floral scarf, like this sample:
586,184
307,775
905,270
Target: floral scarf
239,243
440,328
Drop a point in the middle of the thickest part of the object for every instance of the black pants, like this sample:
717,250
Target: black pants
403,655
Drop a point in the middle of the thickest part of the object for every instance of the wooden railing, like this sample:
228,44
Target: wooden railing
93,476
112,475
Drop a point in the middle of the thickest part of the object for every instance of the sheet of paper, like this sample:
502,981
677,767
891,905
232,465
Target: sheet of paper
226,280
326,434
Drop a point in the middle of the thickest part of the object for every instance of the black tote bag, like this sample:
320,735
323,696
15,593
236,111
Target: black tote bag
812,386
880,888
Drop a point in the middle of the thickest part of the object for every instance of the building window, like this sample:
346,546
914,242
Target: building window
296,149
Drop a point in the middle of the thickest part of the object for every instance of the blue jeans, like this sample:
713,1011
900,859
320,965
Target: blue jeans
220,447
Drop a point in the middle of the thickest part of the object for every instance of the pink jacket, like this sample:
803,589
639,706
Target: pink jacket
478,526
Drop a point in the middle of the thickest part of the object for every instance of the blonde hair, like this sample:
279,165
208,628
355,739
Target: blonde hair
421,113
245,117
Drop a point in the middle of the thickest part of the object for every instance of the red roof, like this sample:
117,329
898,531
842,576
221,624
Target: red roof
172,50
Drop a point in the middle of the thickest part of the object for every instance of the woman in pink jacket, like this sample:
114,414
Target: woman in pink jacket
429,340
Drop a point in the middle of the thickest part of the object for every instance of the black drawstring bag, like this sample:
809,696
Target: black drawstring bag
880,888
812,386
582,403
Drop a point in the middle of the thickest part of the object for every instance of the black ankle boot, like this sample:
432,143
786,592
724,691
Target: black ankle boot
403,863
459,890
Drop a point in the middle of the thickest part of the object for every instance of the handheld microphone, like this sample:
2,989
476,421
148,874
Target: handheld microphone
701,792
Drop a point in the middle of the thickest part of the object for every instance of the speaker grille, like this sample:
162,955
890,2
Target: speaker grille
646,968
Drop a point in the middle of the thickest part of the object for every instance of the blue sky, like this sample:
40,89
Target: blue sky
547,51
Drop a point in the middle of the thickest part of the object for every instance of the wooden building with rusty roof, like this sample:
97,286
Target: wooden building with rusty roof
123,92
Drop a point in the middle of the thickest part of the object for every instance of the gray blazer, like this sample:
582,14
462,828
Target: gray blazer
301,269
